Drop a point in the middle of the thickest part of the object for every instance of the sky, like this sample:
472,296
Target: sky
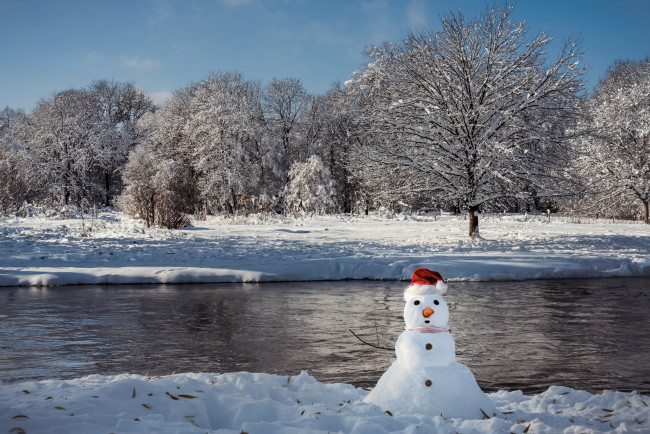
47,46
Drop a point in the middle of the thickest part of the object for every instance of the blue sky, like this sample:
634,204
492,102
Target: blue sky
162,45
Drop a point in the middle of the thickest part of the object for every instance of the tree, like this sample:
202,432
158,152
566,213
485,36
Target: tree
68,144
74,143
145,179
310,188
222,131
164,133
475,111
148,194
13,188
212,131
6,116
285,104
329,127
616,155
120,106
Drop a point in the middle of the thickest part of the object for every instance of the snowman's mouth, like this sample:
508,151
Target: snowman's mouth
426,321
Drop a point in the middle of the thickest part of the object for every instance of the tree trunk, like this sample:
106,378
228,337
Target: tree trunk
645,211
151,211
235,204
473,221
107,185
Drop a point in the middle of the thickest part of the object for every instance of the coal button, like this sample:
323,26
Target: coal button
428,346
428,383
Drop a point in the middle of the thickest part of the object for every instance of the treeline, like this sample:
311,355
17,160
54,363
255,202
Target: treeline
472,117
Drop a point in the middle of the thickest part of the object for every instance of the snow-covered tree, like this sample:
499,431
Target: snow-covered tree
615,164
212,130
120,106
74,143
285,103
6,116
310,188
164,132
145,178
148,190
329,127
13,188
223,132
475,111
68,144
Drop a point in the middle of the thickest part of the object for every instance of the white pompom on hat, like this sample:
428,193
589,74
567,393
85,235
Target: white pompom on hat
426,282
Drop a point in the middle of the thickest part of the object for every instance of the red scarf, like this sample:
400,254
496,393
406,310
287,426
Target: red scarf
430,329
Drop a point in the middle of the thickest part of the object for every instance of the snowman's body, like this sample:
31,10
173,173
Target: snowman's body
426,378
415,349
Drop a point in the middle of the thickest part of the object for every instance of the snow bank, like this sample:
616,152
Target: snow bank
256,403
53,251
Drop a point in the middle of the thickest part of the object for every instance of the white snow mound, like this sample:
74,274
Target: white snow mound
265,403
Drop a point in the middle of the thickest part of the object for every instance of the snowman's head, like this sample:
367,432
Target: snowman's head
426,310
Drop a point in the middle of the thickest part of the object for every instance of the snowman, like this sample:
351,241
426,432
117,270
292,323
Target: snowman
426,378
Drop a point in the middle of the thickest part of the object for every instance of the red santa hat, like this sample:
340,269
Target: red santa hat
425,282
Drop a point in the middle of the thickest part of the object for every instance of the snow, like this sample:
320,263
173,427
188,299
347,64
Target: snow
265,403
52,251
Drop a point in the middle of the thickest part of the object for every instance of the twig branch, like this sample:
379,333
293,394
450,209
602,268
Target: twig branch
377,331
374,346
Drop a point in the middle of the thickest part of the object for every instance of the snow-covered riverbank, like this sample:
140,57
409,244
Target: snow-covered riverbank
265,403
52,251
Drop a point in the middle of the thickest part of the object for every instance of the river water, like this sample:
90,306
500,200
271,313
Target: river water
589,334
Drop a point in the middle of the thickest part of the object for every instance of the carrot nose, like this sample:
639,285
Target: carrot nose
427,312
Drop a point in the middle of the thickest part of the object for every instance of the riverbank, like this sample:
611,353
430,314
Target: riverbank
256,403
113,248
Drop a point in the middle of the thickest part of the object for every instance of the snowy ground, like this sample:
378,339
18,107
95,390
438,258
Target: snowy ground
265,403
52,251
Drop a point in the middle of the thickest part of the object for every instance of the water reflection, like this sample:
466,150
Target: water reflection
579,333
587,334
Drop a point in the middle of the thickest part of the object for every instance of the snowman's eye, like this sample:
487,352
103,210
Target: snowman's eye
436,302
416,302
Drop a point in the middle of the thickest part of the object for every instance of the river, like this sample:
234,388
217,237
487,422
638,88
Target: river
589,334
